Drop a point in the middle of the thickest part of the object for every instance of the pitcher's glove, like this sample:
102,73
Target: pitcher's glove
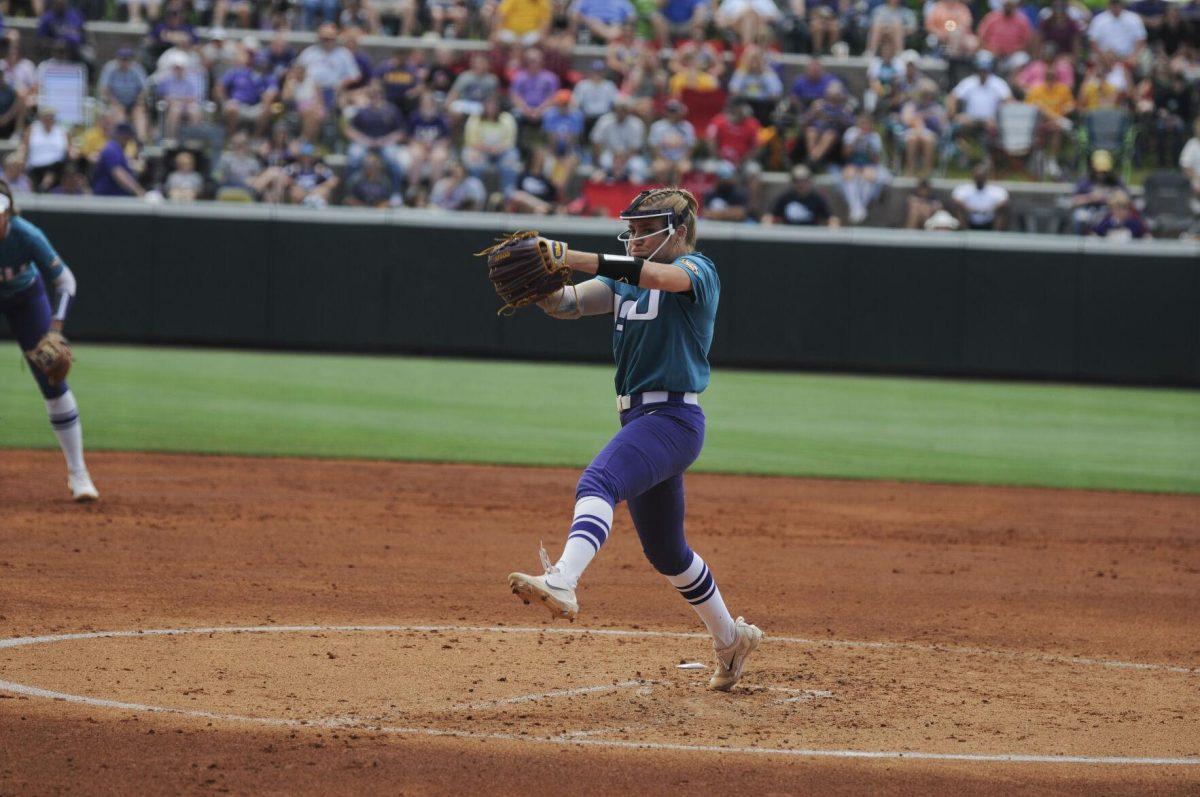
525,268
52,356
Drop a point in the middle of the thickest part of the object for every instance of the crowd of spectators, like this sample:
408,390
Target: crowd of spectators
692,92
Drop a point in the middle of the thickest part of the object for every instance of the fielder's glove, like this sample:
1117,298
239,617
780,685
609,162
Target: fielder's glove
525,269
52,356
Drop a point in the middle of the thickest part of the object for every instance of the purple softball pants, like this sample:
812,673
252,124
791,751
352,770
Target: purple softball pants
643,465
28,315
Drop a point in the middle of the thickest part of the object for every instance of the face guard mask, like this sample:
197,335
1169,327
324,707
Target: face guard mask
632,212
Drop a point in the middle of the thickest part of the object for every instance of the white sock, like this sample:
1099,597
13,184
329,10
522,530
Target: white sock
699,588
589,530
64,417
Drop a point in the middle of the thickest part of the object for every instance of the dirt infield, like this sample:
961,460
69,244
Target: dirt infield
921,638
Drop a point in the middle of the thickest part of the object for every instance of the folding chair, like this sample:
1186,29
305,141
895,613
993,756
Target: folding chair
64,87
1017,123
1167,195
1108,129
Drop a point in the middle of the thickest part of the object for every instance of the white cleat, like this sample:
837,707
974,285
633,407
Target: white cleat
731,660
82,489
551,589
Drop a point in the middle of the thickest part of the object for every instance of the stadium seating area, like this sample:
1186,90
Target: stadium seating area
825,112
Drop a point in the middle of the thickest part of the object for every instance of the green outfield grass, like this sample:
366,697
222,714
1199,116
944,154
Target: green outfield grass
166,399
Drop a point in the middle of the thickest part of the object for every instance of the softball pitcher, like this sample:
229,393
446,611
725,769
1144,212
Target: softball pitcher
663,296
27,263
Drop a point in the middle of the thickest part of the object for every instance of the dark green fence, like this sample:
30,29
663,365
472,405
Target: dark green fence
865,302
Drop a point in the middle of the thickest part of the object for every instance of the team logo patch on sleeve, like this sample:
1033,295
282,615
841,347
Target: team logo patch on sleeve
689,265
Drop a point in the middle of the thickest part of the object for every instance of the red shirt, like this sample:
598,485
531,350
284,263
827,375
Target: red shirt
1003,34
734,141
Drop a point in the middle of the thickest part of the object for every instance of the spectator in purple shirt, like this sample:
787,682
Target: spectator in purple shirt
113,175
811,86
377,127
62,23
172,30
429,142
247,92
604,18
1121,222
533,88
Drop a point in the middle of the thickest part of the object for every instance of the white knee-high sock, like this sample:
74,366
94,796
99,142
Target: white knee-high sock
699,588
589,530
64,417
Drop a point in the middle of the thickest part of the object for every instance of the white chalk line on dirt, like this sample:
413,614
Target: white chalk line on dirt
573,738
536,696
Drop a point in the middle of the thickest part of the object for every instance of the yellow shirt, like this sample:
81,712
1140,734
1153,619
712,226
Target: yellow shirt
701,81
524,16
1095,94
1054,100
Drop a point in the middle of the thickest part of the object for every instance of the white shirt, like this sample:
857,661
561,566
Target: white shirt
595,97
46,147
328,68
981,203
981,99
1117,34
1190,159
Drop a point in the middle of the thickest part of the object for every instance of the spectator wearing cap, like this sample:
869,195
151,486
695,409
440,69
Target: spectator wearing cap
114,175
532,90
220,54
727,201
246,93
48,148
429,142
604,19
1121,221
123,84
974,104
1118,31
378,127
949,23
827,119
522,22
890,21
924,123
490,140
617,141
595,94
863,175
458,190
63,23
1090,197
801,205
310,181
471,88
180,91
1007,34
671,141
563,126
979,204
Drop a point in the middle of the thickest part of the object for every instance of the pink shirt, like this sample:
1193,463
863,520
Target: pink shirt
1004,35
1034,73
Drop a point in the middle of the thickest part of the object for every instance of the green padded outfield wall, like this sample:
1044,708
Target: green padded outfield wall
879,301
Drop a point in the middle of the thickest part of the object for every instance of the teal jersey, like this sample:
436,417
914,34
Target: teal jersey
23,252
660,339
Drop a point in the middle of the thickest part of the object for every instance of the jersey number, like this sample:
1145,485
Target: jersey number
627,310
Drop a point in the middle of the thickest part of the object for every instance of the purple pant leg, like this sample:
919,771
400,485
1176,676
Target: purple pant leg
29,319
644,464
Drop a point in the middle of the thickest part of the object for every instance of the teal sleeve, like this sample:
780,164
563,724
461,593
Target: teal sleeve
41,252
703,275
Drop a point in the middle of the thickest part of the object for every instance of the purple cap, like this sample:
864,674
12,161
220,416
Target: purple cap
124,52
